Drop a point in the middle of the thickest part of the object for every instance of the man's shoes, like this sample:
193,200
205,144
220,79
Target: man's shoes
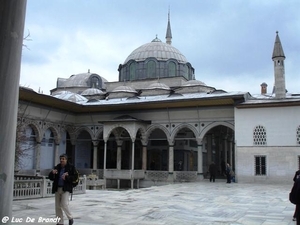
71,221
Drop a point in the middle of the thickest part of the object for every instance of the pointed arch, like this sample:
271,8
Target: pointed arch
157,126
184,125
214,124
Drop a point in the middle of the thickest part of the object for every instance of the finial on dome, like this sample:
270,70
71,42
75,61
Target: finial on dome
169,32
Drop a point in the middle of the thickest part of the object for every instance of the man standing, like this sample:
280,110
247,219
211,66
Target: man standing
212,171
62,176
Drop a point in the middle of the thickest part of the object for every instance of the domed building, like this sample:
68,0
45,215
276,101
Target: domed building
159,125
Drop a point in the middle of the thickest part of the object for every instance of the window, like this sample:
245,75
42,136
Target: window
298,135
259,136
132,71
151,67
172,69
260,165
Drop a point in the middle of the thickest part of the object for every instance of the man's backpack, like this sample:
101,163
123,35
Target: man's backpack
76,178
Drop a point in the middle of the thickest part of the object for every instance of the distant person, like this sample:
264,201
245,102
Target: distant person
296,176
212,171
180,166
62,176
228,173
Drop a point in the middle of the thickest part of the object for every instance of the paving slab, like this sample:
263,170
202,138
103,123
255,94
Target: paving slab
203,203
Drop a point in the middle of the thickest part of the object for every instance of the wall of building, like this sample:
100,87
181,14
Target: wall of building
281,150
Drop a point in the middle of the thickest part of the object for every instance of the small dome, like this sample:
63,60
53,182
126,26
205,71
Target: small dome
194,83
158,50
92,91
87,80
124,89
71,97
159,86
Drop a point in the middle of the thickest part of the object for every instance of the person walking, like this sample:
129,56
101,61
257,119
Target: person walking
296,176
212,171
62,176
228,173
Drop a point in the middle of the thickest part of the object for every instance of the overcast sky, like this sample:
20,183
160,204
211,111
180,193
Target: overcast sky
228,42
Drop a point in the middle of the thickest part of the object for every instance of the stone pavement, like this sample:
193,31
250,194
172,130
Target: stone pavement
202,203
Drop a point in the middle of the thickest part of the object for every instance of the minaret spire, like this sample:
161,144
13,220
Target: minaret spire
169,33
278,57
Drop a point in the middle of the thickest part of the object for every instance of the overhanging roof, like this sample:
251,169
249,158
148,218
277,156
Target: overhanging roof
200,100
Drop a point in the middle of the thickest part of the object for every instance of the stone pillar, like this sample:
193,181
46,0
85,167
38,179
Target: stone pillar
144,163
95,154
171,158
119,154
132,165
12,18
200,159
104,163
37,165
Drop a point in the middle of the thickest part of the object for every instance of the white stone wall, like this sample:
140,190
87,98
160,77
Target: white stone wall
281,151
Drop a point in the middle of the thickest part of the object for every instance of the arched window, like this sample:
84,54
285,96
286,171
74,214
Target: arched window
132,69
95,82
151,67
259,135
172,69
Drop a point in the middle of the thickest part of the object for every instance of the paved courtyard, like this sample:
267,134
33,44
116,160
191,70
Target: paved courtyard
202,203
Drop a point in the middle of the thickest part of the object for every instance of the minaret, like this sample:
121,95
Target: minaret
278,57
169,33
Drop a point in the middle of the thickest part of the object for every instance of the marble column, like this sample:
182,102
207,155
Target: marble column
171,158
12,18
37,160
144,162
119,154
95,154
104,163
200,159
132,164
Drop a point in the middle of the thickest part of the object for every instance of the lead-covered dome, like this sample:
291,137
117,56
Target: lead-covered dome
155,60
156,49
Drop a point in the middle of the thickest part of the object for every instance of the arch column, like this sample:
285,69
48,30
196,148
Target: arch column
95,154
171,158
11,39
119,154
37,165
200,159
132,163
104,163
144,160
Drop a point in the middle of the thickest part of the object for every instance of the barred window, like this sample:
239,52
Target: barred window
260,165
298,135
259,135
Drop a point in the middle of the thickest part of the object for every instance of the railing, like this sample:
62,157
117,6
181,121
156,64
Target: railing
184,176
28,187
124,174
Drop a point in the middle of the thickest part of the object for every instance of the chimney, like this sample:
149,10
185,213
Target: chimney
263,89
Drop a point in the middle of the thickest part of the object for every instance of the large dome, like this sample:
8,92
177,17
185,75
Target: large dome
158,50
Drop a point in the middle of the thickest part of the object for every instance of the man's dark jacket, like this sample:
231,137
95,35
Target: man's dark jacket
68,180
